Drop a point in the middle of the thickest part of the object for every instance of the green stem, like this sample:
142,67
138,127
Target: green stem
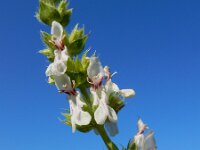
109,144
84,92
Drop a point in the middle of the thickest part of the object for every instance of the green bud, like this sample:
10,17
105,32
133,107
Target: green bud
77,41
115,102
49,12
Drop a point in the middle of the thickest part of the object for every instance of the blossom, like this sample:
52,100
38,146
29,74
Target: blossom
103,111
112,87
58,67
144,142
57,35
78,116
95,72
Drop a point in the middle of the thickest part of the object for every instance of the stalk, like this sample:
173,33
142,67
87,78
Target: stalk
109,144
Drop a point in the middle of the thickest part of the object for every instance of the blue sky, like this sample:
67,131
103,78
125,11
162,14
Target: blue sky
152,44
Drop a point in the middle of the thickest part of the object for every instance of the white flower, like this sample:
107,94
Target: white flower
112,87
103,111
95,72
57,35
78,116
58,67
63,84
144,142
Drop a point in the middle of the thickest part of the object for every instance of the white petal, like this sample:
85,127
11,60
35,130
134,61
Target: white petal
50,70
95,97
149,141
79,102
59,68
139,141
127,93
95,68
62,82
112,128
64,54
112,116
111,87
73,125
104,98
83,118
141,126
61,55
100,115
57,29
72,108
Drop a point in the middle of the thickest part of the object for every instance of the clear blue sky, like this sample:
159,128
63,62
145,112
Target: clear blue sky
154,45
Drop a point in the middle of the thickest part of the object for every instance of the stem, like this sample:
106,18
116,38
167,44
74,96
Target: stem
84,91
109,144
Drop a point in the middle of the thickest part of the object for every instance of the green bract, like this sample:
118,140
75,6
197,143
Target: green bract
54,10
77,40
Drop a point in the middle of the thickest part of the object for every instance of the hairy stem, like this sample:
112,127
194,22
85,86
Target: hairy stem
109,144
84,92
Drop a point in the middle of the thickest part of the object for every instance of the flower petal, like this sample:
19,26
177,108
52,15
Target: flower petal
95,97
127,93
57,29
50,70
111,87
141,126
95,68
139,141
100,115
84,118
149,141
112,116
62,82
112,128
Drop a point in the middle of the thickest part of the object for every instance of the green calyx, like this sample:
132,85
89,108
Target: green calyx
54,10
77,40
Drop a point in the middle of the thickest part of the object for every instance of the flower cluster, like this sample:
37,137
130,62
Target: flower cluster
94,99
100,87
